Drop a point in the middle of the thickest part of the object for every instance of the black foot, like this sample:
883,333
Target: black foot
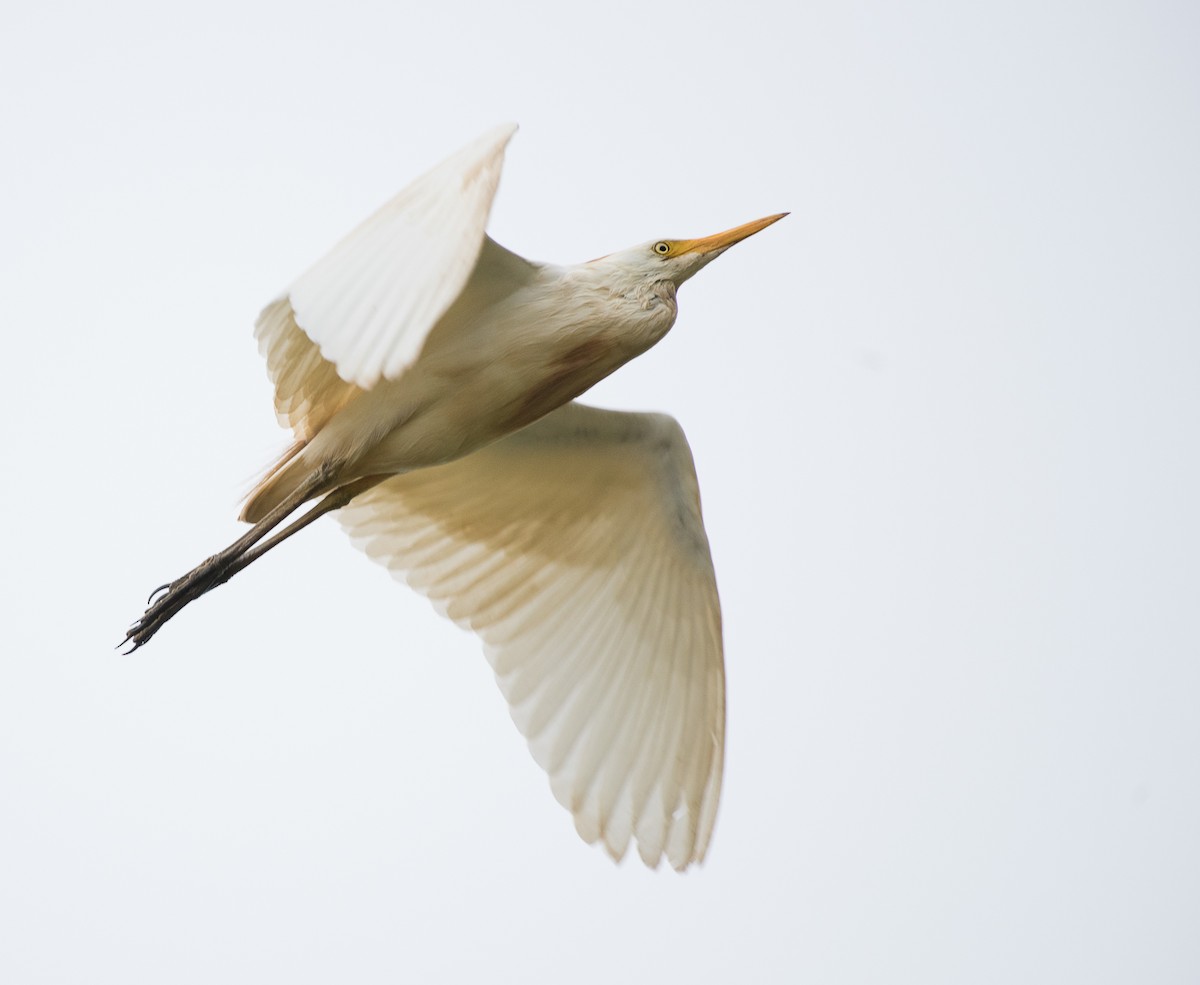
166,600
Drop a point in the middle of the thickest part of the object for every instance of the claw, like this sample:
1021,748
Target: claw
130,633
167,600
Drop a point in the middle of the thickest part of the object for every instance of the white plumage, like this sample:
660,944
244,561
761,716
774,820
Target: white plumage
576,550
370,302
428,376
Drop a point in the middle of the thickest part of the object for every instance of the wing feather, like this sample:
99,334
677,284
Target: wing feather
364,310
371,301
308,390
576,550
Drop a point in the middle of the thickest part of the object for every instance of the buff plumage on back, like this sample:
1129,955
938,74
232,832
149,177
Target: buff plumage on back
575,548
371,301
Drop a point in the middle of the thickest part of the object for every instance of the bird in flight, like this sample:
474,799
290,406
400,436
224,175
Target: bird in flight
428,376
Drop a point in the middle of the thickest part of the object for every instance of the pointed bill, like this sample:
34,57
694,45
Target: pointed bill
722,241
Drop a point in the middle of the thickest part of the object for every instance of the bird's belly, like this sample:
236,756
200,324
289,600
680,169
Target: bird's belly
456,412
490,367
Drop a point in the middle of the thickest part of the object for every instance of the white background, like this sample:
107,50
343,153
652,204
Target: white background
945,418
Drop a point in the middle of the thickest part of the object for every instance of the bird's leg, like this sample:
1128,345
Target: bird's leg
165,602
334,501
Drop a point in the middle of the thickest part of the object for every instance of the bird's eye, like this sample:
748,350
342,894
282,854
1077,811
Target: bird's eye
662,249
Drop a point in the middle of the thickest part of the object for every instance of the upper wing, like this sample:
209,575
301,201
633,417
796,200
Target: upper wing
575,548
308,390
370,302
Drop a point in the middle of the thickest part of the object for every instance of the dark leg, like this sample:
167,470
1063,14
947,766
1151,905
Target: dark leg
221,566
334,501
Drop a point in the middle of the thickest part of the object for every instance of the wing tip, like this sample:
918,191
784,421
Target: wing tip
492,142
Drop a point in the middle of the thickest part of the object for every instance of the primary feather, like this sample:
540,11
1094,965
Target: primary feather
371,301
576,550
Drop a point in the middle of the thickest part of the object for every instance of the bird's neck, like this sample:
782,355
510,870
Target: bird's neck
623,303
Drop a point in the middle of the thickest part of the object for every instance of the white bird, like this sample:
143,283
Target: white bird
428,376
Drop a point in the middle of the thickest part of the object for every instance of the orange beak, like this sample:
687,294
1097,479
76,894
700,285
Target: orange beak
722,241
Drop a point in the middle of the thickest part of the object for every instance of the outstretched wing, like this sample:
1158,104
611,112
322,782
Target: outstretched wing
371,301
575,548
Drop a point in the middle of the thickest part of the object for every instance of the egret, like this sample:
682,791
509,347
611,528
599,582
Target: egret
429,376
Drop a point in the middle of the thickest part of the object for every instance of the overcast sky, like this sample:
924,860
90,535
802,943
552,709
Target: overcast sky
945,421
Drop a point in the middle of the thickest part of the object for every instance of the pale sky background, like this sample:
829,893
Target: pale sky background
945,419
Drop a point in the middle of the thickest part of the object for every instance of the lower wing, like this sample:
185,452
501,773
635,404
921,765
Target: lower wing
575,548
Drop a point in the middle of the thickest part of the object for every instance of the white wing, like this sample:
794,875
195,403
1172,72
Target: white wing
575,548
308,390
371,301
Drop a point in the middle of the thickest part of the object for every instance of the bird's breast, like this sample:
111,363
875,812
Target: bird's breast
569,373
487,372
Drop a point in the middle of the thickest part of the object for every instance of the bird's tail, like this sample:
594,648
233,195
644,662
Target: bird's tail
278,482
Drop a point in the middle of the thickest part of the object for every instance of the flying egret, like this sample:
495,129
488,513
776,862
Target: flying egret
428,376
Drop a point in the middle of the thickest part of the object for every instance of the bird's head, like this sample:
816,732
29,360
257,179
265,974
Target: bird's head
679,259
676,260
